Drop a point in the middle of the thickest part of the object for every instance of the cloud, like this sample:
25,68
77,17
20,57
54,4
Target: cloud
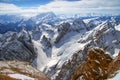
9,8
6,8
65,7
83,6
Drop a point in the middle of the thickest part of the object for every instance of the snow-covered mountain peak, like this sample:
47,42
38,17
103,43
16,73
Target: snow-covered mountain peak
48,17
57,47
47,14
24,35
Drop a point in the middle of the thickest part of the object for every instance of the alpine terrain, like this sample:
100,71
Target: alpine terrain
52,47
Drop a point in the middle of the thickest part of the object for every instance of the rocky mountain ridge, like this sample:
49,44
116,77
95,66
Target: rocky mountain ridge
59,50
103,36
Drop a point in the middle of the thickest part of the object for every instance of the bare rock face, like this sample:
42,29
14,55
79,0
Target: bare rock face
76,26
17,46
16,70
46,45
114,66
95,66
62,30
79,25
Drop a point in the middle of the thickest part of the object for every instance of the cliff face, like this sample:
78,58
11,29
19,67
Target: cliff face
97,66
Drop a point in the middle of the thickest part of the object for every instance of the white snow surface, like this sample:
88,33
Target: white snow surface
42,58
116,77
117,27
21,77
88,20
116,52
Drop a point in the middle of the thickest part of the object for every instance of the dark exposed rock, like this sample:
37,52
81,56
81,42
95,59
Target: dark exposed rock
17,46
46,45
79,25
62,30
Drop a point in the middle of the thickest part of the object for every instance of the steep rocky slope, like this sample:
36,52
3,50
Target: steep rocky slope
97,66
16,70
58,50
17,46
114,66
104,36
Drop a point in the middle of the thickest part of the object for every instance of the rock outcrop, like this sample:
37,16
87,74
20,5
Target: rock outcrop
95,66
16,70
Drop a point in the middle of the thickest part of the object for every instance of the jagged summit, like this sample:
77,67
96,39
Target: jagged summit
46,14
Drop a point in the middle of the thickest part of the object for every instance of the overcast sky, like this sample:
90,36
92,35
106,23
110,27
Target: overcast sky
31,7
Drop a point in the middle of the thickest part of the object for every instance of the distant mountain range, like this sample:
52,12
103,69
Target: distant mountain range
17,23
